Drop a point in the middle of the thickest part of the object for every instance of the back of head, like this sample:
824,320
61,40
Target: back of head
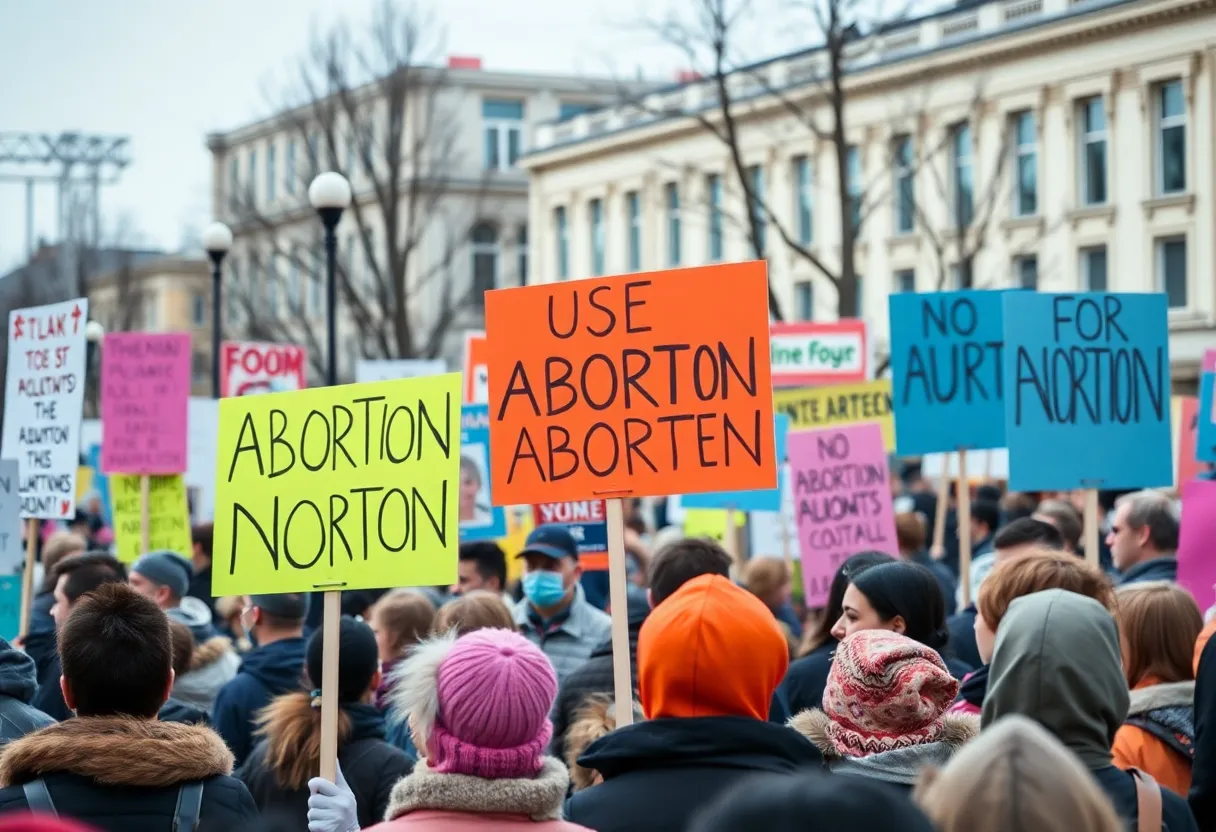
678,562
57,547
1065,518
1026,532
1037,570
910,530
1159,623
692,645
116,653
475,610
357,659
851,568
910,591
202,536
183,647
87,572
987,512
404,617
764,576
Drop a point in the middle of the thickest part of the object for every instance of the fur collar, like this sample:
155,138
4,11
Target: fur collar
210,651
118,751
1169,695
539,798
813,724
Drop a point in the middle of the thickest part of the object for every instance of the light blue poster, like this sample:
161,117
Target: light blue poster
10,606
1205,418
766,500
1087,391
946,371
100,482
479,519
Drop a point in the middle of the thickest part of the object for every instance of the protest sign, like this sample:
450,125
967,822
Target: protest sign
201,456
480,519
838,405
946,363
10,607
842,501
168,515
145,394
12,554
774,533
1196,566
709,523
520,524
349,487
637,385
248,368
1205,418
765,500
819,353
44,392
476,371
585,520
1087,380
389,369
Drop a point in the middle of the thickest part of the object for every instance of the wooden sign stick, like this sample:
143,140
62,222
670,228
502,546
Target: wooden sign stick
329,684
617,586
27,575
964,528
1091,525
145,514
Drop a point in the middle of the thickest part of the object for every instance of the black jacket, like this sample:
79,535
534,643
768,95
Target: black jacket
1203,769
945,579
266,672
40,642
962,636
49,698
806,678
17,687
177,711
1120,787
1157,569
658,774
200,588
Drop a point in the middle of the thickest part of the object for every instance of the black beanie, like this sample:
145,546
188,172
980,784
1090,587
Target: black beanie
358,658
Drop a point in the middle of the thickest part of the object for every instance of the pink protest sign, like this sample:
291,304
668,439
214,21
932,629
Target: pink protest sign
145,399
1196,566
842,501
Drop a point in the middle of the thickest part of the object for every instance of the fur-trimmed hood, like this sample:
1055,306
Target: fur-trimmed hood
1167,695
118,751
213,665
539,798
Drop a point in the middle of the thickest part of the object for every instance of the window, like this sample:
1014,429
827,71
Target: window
805,199
1171,270
755,175
1026,271
521,254
964,191
673,224
504,125
198,309
570,109
270,172
485,260
563,243
713,185
1171,138
1093,269
905,208
804,300
1093,151
905,281
1025,148
293,281
595,212
853,161
633,221
253,176
234,182
290,165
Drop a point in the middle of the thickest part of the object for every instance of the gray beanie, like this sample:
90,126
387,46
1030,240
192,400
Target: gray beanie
166,568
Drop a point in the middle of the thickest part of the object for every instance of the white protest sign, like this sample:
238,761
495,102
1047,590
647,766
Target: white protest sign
12,553
394,368
43,396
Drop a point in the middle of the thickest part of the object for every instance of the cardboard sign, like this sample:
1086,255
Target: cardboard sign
10,607
639,385
476,369
1196,566
1205,417
1087,391
946,363
248,368
375,370
43,396
12,552
480,519
168,516
841,404
842,501
766,500
145,395
349,487
772,533
709,523
819,353
586,520
1186,429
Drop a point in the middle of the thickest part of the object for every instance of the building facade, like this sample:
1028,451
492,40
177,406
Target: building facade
1067,146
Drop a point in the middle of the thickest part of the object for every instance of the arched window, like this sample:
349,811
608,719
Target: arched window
485,260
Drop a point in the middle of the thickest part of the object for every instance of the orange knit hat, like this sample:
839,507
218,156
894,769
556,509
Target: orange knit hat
711,649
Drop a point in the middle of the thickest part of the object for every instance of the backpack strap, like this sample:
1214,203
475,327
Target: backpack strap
1148,801
38,798
189,807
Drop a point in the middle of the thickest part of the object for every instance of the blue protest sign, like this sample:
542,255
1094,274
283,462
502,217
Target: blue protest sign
1205,420
587,522
946,371
479,519
101,482
1087,381
10,606
768,499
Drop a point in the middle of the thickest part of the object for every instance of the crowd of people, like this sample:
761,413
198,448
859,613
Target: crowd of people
1057,694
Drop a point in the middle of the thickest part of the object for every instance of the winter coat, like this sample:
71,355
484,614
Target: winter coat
429,802
370,765
899,767
802,687
971,694
945,578
123,775
214,664
17,688
196,615
265,673
200,588
569,643
1164,568
962,636
1159,734
1203,770
658,774
41,641
175,710
49,698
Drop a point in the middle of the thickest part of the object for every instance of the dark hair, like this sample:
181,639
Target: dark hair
357,659
116,653
1064,518
987,512
1026,531
490,558
203,535
910,591
183,646
680,561
87,572
851,568
1018,504
636,522
988,493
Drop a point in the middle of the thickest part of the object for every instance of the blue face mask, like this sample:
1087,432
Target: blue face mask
544,588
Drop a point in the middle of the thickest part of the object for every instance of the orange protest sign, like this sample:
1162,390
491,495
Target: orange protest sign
644,384
476,379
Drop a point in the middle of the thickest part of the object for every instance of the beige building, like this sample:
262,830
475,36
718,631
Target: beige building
1089,122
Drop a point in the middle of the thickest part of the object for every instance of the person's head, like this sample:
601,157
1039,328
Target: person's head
678,562
851,568
596,718
162,576
551,568
482,565
58,546
1145,526
457,726
769,580
985,517
1159,623
1064,517
116,654
475,610
183,646
268,618
902,597
77,574
358,661
910,533
1023,535
1017,504
470,485
913,476
400,619
1013,777
202,536
691,647
1032,571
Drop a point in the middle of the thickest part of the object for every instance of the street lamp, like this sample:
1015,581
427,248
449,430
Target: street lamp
329,193
94,334
217,239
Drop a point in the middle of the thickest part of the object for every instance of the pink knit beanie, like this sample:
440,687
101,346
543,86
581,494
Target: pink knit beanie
495,691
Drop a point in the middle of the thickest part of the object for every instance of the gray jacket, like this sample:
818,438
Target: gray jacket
569,644
18,683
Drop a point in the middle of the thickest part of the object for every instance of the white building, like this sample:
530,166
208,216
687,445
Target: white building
1104,107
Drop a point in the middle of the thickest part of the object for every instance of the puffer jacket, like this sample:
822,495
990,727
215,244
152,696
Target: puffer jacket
1158,735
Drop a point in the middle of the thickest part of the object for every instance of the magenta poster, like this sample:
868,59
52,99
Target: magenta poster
145,399
1196,555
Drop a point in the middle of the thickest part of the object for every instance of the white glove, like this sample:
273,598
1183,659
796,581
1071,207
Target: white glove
331,807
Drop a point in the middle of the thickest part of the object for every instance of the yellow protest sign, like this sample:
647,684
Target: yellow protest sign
839,404
350,487
519,525
168,515
709,522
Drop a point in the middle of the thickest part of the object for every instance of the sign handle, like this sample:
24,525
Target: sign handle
27,575
938,550
964,527
329,684
1091,525
622,683
145,514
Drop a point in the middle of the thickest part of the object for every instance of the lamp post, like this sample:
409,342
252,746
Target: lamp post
94,334
217,239
329,193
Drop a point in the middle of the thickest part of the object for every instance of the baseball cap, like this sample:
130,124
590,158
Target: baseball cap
552,541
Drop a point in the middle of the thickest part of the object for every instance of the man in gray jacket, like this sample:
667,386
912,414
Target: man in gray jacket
18,683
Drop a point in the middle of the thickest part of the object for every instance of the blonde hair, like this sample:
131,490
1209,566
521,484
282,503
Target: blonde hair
406,615
58,546
764,576
1159,623
478,610
1015,776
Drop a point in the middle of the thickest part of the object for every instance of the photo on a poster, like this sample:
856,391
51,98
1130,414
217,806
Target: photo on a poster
479,519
